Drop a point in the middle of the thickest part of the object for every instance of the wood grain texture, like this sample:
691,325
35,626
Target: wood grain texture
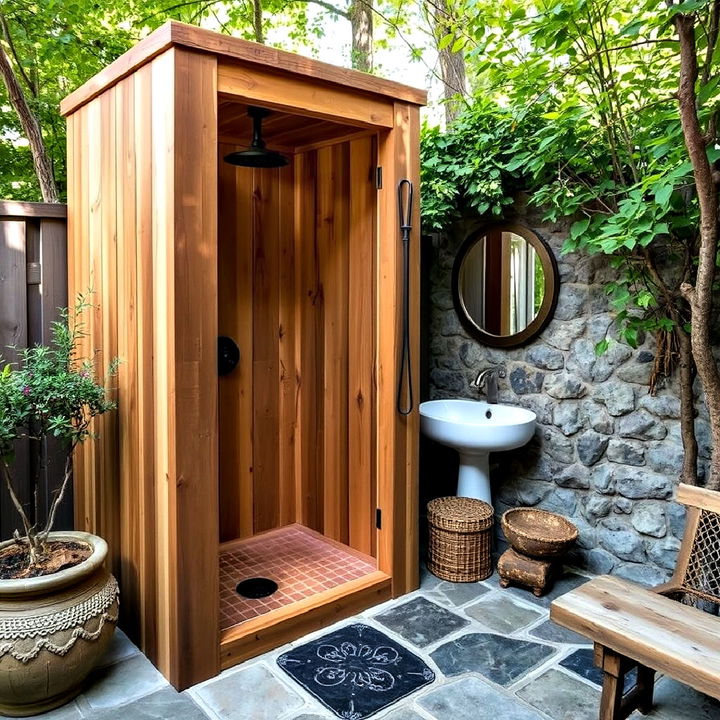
699,497
397,445
142,225
252,54
14,332
323,102
657,632
17,209
195,365
302,267
283,625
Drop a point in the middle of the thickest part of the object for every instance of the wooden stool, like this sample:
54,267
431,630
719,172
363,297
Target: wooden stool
523,570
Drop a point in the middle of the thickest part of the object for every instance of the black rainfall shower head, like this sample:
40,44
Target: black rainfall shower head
257,155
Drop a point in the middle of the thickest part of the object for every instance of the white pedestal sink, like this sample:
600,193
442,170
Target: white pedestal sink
475,429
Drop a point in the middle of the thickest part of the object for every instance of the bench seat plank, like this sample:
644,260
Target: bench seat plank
675,639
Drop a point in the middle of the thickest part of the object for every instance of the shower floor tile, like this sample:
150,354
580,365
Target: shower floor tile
301,561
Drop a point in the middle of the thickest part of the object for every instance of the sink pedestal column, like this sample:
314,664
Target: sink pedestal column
474,476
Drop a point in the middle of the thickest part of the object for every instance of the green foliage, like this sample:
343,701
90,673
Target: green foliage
56,45
575,104
53,391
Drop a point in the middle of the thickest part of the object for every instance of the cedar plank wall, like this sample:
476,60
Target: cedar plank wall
296,275
142,228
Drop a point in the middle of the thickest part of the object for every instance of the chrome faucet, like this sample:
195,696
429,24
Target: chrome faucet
488,379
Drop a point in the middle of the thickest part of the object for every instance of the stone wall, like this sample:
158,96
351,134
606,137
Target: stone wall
605,453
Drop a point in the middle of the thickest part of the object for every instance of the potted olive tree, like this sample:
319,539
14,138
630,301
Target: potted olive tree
58,603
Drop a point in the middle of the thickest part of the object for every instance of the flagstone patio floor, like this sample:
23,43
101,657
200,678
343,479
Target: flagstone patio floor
495,654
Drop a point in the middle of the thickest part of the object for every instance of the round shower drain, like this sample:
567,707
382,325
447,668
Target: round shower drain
258,587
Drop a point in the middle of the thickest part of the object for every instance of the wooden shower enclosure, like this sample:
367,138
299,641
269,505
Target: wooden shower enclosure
302,267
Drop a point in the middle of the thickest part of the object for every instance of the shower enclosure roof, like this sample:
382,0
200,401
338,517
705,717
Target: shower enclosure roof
229,48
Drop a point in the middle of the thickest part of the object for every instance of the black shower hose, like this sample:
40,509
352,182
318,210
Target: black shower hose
405,205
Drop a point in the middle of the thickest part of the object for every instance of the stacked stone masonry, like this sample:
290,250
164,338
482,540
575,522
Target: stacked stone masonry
606,453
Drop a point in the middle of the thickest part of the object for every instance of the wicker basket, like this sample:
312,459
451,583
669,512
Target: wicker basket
460,539
538,533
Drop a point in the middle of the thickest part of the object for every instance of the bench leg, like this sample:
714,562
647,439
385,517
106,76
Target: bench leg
645,687
613,682
614,704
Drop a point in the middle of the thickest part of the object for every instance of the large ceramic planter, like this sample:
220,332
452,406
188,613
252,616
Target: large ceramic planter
53,631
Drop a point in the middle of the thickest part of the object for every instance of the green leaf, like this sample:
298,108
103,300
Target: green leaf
579,227
662,195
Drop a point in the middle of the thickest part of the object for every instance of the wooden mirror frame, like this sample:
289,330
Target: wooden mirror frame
552,288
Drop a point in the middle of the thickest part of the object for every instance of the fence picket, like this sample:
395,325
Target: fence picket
33,284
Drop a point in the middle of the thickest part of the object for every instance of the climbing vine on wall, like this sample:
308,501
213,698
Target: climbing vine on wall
575,103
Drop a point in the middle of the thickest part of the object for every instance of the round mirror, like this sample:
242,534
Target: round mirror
505,285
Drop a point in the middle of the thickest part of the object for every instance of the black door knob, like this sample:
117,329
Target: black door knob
228,355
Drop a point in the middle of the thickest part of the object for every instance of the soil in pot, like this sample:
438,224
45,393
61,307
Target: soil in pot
61,555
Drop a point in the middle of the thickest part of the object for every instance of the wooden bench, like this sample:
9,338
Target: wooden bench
661,629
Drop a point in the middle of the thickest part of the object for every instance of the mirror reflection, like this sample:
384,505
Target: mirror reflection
502,283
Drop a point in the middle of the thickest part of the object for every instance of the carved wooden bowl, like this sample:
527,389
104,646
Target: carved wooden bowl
538,533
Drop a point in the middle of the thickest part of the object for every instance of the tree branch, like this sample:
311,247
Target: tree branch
31,127
700,297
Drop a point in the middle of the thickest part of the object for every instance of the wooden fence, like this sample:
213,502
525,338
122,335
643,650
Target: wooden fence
33,284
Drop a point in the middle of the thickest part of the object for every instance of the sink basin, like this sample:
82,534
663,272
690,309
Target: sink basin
475,429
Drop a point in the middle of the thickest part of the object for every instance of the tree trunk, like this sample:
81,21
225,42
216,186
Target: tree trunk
686,368
257,21
452,64
361,22
31,128
700,296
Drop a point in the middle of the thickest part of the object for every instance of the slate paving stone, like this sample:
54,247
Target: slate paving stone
581,663
459,593
250,693
122,683
163,705
403,714
312,716
463,700
501,614
675,701
120,648
500,659
566,583
553,632
562,697
428,581
421,622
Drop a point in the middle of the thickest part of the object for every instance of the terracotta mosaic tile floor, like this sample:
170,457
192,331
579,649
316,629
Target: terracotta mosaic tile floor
300,561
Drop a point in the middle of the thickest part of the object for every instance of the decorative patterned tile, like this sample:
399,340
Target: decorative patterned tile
421,622
502,615
356,671
471,699
250,693
500,659
562,697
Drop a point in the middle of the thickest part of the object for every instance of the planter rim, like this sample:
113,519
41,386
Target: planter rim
62,578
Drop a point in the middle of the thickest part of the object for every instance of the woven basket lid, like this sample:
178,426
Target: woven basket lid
461,514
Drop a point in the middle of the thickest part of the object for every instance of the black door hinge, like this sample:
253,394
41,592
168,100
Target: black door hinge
378,178
378,518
